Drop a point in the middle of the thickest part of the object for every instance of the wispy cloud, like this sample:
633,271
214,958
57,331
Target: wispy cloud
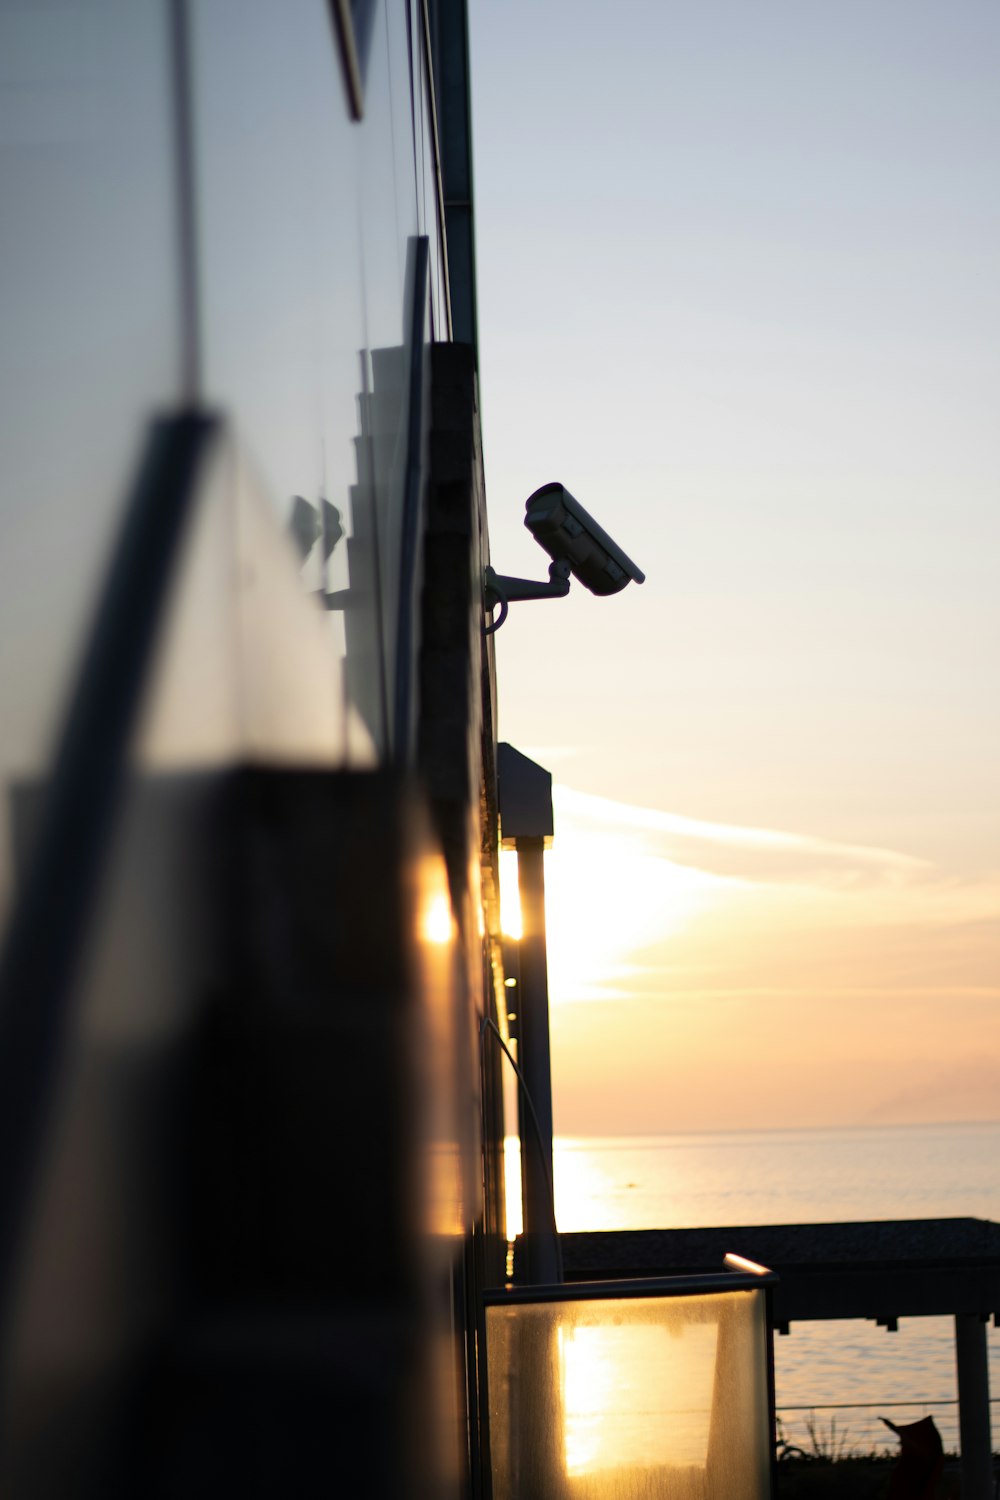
739,853
769,976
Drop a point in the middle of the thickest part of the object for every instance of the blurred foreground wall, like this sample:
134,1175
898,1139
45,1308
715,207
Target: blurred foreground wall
251,1175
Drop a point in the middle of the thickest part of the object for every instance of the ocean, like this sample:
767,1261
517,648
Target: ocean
832,1379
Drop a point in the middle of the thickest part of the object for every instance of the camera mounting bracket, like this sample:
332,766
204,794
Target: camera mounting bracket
499,588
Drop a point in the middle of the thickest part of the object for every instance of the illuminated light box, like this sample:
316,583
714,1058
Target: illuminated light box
598,1396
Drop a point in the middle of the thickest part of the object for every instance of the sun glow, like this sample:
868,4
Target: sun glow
604,902
637,1394
512,1186
712,957
510,901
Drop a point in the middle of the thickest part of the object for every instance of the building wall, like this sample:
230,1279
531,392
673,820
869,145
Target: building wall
266,272
248,1205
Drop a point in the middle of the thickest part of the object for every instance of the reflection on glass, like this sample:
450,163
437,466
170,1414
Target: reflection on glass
436,924
296,293
91,336
628,1397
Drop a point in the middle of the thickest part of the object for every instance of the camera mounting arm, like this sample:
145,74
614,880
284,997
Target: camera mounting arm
498,588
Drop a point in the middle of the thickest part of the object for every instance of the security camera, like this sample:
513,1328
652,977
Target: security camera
560,525
575,543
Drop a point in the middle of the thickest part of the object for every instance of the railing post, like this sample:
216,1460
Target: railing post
974,1407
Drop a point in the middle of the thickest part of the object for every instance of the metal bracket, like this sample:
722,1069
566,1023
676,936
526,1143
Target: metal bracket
500,589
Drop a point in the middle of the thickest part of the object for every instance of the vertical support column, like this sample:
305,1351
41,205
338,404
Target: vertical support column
536,1135
525,802
974,1407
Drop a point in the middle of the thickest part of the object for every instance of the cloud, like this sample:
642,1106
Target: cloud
770,977
738,853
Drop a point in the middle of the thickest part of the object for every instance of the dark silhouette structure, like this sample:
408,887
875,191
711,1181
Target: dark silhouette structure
921,1460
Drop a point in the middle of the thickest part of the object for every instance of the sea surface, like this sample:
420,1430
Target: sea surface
835,1377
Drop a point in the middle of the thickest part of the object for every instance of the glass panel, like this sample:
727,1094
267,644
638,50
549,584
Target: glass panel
234,678
91,332
307,226
389,227
242,671
282,285
616,1398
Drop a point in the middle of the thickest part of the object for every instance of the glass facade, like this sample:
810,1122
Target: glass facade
238,1108
191,214
92,338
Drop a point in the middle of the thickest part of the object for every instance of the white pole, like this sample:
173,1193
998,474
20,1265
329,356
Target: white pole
974,1407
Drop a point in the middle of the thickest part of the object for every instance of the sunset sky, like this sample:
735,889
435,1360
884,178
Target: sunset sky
739,289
